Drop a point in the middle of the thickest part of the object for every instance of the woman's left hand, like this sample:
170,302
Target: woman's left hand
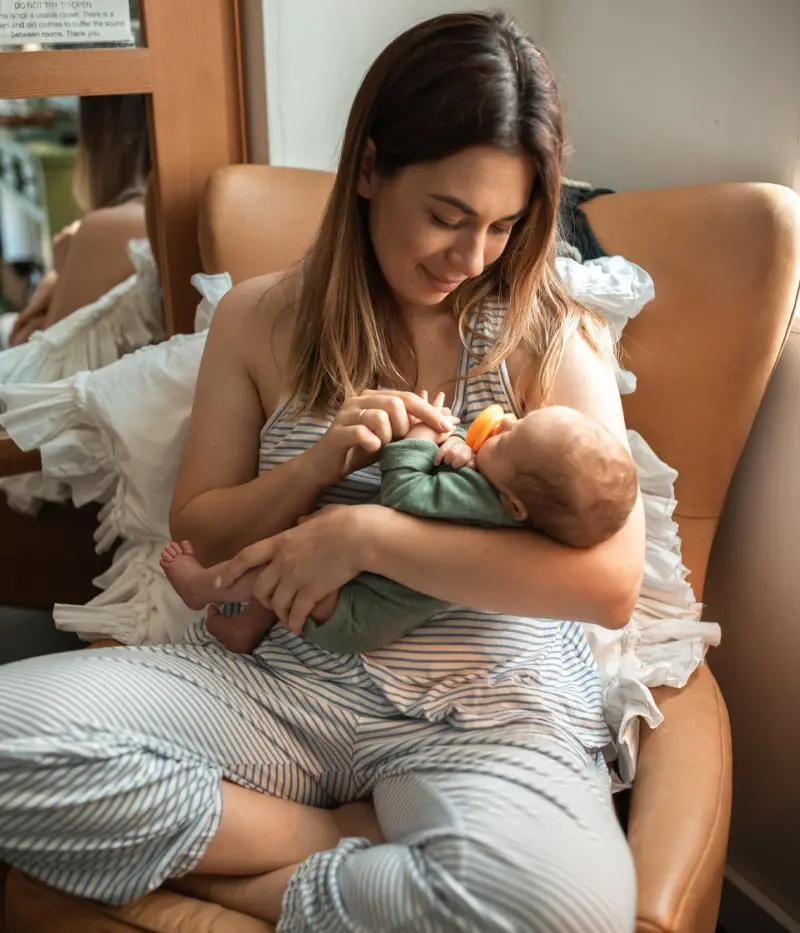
304,564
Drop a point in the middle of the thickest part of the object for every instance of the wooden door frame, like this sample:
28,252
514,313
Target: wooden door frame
197,122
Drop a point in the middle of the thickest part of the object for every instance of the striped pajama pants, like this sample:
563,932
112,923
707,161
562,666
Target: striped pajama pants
111,765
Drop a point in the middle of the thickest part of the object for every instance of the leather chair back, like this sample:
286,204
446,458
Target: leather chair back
725,260
703,350
258,219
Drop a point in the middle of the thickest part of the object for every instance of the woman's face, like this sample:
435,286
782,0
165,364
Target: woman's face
437,224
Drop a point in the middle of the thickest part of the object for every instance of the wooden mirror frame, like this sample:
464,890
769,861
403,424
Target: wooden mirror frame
191,68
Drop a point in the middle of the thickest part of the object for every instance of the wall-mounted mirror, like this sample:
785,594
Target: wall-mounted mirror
156,57
63,162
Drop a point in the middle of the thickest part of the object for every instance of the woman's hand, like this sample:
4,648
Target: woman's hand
365,424
32,318
305,564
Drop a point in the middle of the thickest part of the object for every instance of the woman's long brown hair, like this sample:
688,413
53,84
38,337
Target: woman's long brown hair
113,150
451,83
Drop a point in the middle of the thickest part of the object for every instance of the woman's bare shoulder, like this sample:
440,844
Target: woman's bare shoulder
257,306
255,320
127,219
585,380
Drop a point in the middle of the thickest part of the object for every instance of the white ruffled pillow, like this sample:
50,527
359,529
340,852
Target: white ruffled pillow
137,605
126,455
126,318
665,641
97,445
105,449
213,289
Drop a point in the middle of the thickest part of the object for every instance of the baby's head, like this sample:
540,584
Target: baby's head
561,472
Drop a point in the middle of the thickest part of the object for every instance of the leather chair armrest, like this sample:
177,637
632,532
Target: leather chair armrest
14,461
33,908
680,810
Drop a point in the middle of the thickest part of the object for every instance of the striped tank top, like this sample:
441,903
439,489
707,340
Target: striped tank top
473,669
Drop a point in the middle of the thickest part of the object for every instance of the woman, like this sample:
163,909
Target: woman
479,736
90,257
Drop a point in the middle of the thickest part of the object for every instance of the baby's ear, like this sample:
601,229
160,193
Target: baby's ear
514,505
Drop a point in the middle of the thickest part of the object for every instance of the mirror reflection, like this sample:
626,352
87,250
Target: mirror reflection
72,181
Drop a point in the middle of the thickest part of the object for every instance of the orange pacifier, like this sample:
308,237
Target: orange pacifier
484,426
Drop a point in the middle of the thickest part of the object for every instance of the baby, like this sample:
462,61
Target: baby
555,470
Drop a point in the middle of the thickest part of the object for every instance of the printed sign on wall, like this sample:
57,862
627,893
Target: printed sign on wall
64,22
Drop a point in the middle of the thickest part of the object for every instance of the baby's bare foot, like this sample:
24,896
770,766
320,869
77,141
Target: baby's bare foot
185,573
239,639
325,608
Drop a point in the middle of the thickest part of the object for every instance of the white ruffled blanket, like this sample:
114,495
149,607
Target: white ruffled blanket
126,318
665,641
110,436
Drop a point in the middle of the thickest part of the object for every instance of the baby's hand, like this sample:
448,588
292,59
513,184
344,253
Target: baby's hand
422,431
456,453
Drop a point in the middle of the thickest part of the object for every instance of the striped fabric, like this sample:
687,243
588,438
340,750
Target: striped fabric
473,669
479,737
479,838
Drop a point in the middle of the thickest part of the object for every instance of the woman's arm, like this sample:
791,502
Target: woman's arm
220,503
35,314
62,243
515,572
95,258
520,572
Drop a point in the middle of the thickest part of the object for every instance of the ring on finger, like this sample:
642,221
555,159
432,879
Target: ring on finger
361,415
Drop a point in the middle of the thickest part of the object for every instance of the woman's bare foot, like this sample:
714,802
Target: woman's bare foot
359,819
186,574
261,895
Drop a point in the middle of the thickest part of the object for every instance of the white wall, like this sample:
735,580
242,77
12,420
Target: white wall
317,52
657,93
680,92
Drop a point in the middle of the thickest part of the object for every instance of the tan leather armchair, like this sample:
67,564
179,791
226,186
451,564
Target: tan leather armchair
753,585
726,265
